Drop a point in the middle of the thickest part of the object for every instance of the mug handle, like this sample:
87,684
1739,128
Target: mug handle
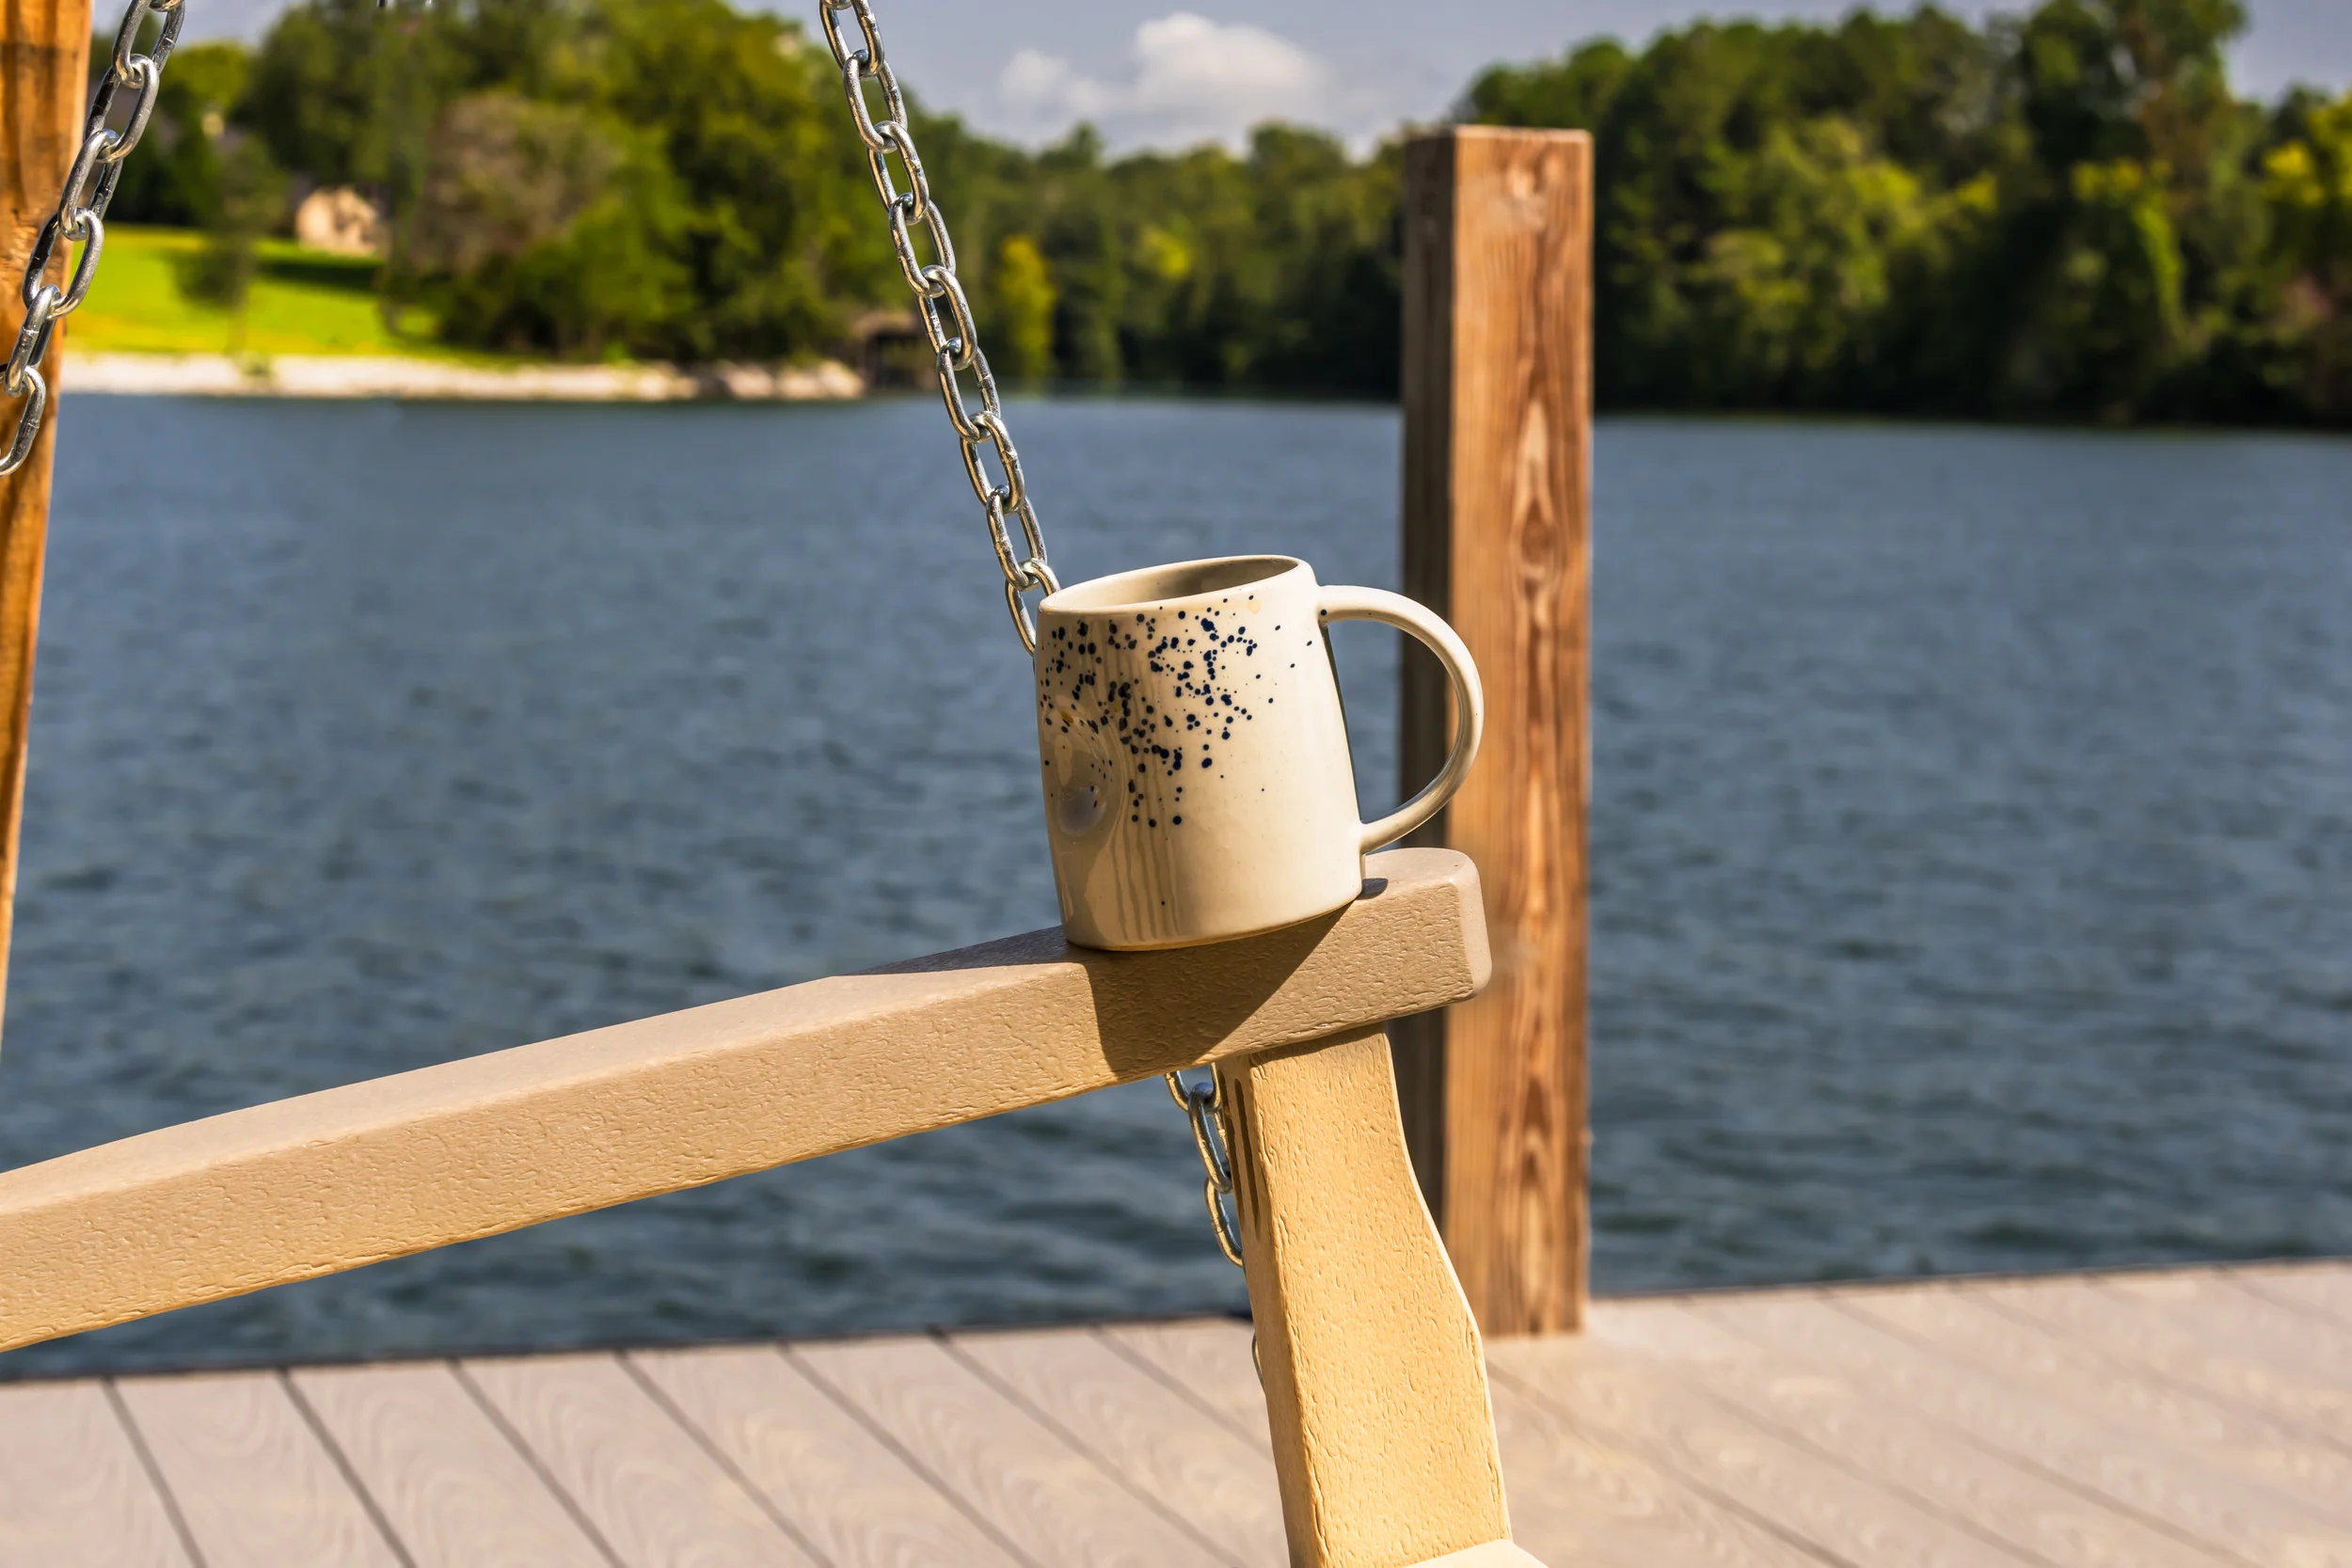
1469,698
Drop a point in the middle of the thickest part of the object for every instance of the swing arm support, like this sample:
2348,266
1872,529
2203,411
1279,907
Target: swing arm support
337,1179
1376,1381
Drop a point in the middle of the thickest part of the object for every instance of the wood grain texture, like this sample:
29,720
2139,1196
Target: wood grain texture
1851,1428
1498,415
655,1496
1587,1501
1208,1360
853,1497
1844,1418
455,1491
1574,1500
2322,1290
254,1484
1221,1486
336,1180
2245,1322
1755,1467
72,1491
2134,1469
44,64
1384,1438
2286,1375
1055,1505
2081,1372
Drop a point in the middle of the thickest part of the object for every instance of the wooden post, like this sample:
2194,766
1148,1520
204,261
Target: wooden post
44,64
1497,416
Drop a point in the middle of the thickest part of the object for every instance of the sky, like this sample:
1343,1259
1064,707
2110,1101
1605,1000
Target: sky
1150,73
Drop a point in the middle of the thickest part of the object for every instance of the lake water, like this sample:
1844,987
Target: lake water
1972,846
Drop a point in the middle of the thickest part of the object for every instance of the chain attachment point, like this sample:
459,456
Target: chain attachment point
1203,1105
79,217
1035,574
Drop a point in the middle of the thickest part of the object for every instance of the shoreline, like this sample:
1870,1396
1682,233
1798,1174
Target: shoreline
302,375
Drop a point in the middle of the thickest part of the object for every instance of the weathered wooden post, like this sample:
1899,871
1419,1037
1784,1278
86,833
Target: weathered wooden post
1497,416
44,66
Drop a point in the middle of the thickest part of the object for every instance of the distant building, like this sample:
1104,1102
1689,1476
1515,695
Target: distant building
339,219
892,349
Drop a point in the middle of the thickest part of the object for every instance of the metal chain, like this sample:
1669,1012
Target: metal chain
956,347
80,217
1203,1105
946,313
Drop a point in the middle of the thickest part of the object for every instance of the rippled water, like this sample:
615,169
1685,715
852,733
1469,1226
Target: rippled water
1972,844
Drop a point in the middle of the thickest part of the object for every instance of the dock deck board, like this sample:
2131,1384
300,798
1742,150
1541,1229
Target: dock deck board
2174,1419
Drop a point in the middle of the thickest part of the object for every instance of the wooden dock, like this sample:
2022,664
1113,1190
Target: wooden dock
2156,1420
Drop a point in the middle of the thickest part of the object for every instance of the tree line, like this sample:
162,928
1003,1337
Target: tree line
2062,215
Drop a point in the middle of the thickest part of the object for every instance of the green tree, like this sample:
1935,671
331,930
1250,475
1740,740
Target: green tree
174,178
550,226
1024,309
1787,299
347,94
1574,94
2306,182
781,235
2066,214
249,202
2110,328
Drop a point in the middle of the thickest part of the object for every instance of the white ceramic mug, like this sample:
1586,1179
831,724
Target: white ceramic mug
1197,780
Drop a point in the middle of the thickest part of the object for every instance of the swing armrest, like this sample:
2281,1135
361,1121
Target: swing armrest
334,1181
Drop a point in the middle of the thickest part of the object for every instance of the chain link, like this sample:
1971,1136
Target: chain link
946,315
81,211
955,342
1203,1105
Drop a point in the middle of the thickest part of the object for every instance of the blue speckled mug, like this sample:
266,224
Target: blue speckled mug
1197,780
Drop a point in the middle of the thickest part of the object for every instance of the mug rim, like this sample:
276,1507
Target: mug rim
1117,592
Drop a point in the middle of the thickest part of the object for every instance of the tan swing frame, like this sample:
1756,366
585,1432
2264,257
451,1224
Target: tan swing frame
1375,1377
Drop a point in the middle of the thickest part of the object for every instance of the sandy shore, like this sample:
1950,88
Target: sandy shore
314,376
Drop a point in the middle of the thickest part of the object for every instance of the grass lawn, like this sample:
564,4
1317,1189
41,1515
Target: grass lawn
303,301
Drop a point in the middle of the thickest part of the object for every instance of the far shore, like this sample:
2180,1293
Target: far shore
294,375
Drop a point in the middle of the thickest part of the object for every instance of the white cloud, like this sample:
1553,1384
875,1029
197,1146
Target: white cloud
1193,73
1193,80
1048,88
